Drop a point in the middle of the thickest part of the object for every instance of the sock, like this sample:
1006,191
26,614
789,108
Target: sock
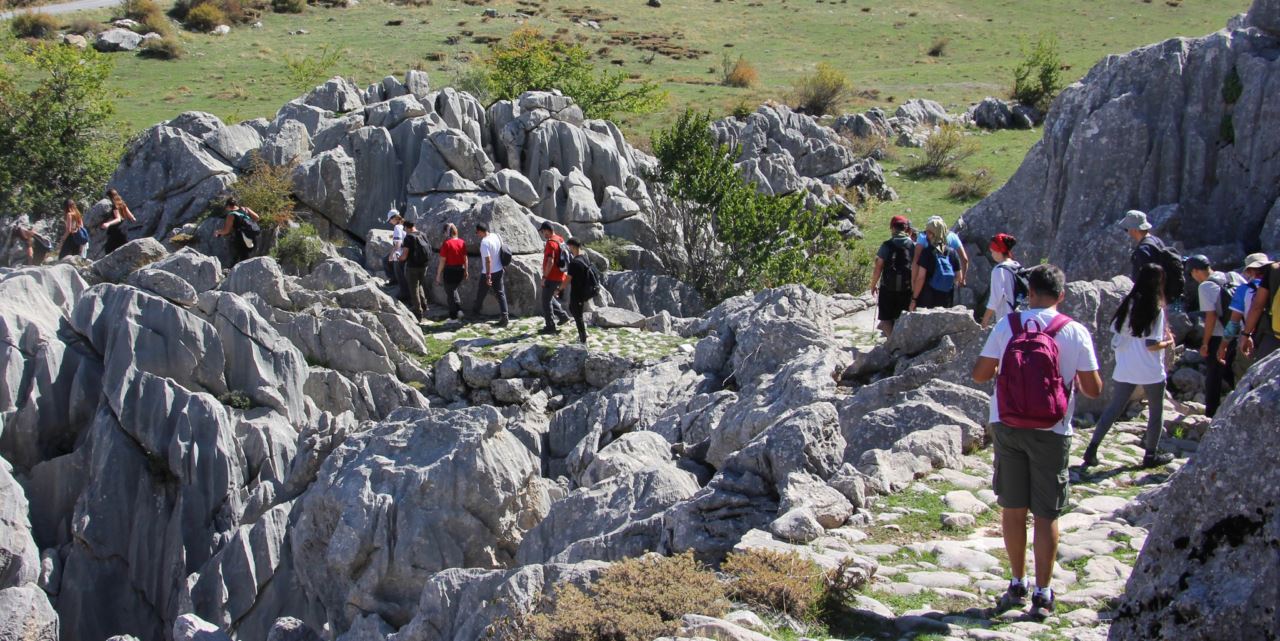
1018,580
1044,592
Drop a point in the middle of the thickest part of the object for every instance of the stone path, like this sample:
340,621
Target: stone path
493,343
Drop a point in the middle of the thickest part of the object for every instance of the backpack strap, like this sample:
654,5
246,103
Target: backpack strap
1056,325
1015,324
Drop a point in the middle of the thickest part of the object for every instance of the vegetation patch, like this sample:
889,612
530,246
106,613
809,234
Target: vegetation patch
30,24
268,190
972,185
944,150
1038,78
781,582
821,92
663,44
299,248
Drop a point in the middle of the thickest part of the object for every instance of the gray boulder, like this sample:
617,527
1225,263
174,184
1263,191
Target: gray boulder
19,558
196,123
168,178
1265,15
27,615
164,285
1094,304
923,112
117,39
337,94
992,113
233,143
648,294
130,257
260,362
200,271
290,144
515,185
395,111
190,627
327,183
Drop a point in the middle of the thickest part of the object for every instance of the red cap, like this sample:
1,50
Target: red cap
899,221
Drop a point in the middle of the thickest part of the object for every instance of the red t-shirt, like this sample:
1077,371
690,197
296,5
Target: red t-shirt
551,256
454,252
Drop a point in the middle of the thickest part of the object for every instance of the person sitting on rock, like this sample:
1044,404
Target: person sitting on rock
114,226
1241,302
1140,339
1261,335
953,241
1030,415
891,278
417,250
583,283
241,226
35,246
555,259
491,274
939,269
451,269
76,240
1003,297
1210,293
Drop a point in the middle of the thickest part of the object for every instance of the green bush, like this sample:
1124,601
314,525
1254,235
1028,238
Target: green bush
974,185
527,60
30,24
204,18
944,150
742,240
611,248
1038,78
166,48
55,128
156,23
138,10
236,399
822,91
299,249
82,26
268,190
633,600
288,6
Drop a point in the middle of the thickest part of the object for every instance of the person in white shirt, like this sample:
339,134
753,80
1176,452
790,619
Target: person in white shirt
491,274
1140,338
394,262
1031,464
1210,288
1002,299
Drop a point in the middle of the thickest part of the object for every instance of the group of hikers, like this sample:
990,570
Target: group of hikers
75,234
1040,359
565,269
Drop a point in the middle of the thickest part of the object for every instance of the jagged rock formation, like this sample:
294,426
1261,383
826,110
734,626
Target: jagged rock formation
1184,130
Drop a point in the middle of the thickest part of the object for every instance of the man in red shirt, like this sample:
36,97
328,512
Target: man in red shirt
554,262
451,270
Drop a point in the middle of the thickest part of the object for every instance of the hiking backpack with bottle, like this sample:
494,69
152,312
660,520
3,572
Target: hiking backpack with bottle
246,225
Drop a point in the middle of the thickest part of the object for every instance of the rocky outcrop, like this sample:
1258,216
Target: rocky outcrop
1183,130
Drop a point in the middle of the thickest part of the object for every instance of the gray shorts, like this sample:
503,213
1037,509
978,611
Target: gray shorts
1031,470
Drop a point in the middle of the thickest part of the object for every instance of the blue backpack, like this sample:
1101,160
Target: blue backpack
943,278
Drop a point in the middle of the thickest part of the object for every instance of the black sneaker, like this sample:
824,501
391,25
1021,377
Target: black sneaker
1157,460
1013,598
1042,604
503,322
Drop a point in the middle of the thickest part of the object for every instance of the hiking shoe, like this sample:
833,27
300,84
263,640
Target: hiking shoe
1090,459
1013,598
1157,460
562,321
1042,604
502,322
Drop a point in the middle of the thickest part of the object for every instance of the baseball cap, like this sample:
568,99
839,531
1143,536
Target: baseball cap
1198,261
392,214
1134,219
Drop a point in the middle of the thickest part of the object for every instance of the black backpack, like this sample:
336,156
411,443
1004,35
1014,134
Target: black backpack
1021,284
1168,258
1226,291
246,225
419,249
562,257
897,272
590,281
504,255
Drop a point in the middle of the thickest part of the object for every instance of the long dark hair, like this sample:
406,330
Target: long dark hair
1142,304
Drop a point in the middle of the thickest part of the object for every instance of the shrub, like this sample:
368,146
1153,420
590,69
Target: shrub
236,399
939,48
739,73
1038,78
299,249
528,60
139,9
633,600
611,248
742,109
974,185
820,92
82,26
157,23
288,6
307,71
267,189
204,17
783,582
166,48
874,146
943,151
30,24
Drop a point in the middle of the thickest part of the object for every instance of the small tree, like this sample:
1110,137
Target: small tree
267,189
944,150
307,71
822,91
53,128
1037,80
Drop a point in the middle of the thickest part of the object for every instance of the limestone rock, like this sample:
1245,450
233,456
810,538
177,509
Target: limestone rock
117,39
133,255
168,177
201,272
233,143
27,615
164,285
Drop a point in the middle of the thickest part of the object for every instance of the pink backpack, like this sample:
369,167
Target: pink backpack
1029,386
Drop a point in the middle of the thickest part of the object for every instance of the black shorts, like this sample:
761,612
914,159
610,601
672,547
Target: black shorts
930,297
893,304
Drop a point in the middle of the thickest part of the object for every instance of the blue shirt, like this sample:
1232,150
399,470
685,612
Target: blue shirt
953,241
1244,296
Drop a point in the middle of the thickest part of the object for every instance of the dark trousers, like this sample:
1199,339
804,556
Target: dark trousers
930,297
453,277
116,237
576,309
239,250
416,277
1216,374
552,310
1120,395
499,290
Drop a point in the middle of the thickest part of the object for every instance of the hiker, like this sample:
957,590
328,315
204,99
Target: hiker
953,241
36,247
1241,302
451,269
1261,335
1141,334
75,242
393,264
417,252
120,212
492,263
1008,286
1036,357
555,260
241,224
1214,293
583,282
939,269
891,278
1148,249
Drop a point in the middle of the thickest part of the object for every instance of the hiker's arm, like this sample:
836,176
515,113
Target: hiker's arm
964,266
114,219
875,276
1090,383
252,213
564,284
917,286
129,214
1210,322
227,226
985,369
1156,346
1260,299
488,269
915,261
440,267
987,317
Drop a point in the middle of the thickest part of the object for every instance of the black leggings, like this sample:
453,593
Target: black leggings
576,310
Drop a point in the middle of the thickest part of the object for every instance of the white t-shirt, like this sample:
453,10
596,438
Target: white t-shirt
1210,293
489,247
1134,362
1001,298
1075,354
397,241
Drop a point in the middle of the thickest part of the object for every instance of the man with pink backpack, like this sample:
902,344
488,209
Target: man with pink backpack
1039,359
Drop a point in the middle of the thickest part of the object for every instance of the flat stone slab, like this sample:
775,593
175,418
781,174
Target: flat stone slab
1101,504
938,579
964,501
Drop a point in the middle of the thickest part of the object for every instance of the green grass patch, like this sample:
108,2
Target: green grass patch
924,599
923,517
